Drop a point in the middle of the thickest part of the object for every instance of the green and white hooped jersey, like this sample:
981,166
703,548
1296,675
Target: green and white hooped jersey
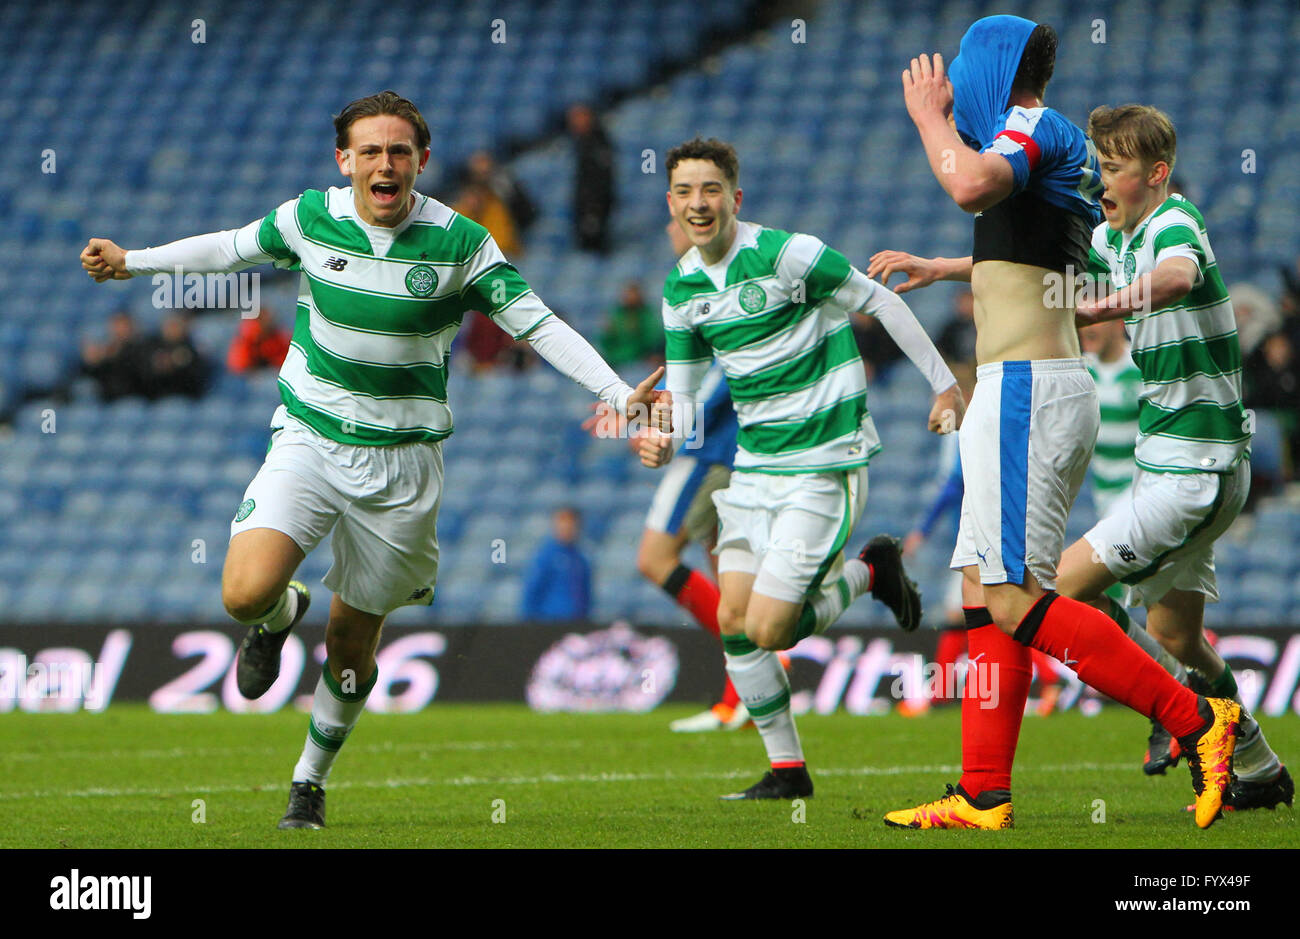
775,312
1190,417
1119,384
368,360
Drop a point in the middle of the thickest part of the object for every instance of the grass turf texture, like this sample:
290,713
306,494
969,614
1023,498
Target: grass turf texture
127,778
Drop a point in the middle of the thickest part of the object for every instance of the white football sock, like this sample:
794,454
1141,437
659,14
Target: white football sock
333,715
764,689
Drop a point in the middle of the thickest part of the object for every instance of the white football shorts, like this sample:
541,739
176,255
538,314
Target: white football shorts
788,531
1160,537
1025,447
381,502
683,500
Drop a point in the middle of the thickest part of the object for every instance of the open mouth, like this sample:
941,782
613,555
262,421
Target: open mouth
1108,205
384,193
700,225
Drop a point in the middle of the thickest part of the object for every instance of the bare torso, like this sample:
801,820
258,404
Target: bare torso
1013,319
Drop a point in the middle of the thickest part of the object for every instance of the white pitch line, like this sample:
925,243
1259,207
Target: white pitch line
549,778
174,752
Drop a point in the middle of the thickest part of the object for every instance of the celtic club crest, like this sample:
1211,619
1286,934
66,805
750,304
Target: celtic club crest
752,298
421,280
1130,268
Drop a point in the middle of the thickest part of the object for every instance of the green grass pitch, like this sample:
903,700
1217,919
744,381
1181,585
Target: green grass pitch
129,778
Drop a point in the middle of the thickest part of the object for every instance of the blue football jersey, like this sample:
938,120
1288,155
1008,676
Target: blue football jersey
1051,158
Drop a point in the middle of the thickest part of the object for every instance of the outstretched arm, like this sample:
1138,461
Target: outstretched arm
921,272
219,252
900,322
1172,280
975,181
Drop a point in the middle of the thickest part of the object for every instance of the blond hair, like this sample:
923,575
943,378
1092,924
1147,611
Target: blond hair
1134,131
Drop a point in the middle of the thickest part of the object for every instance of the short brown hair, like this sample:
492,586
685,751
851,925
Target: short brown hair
718,152
386,102
1134,131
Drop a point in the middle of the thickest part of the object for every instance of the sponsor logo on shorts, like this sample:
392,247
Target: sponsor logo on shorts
245,509
982,555
422,280
1125,553
752,298
419,594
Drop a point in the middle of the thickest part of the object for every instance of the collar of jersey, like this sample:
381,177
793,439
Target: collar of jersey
746,237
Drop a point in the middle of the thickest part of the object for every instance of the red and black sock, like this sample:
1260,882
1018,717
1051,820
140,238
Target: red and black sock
699,596
1103,656
997,686
952,643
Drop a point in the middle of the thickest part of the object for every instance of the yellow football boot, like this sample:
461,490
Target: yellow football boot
955,810
1209,757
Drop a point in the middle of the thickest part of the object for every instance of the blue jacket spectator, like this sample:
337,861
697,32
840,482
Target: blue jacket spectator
558,584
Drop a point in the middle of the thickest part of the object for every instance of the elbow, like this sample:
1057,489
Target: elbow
977,193
974,198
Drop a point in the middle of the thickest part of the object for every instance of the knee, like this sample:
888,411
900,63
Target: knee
769,636
731,621
245,602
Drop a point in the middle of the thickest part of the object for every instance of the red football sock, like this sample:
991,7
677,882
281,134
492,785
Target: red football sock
952,643
698,596
989,734
1097,649
1045,665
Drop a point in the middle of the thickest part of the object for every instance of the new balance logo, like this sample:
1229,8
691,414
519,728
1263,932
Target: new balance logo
418,594
1125,553
335,264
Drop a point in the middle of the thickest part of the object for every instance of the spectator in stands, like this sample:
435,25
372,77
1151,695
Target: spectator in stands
593,189
1272,380
1256,314
258,344
119,365
634,331
483,169
479,203
558,584
173,365
489,346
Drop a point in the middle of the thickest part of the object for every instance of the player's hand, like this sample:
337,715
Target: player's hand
605,422
644,403
921,272
926,89
103,260
912,543
948,411
635,437
655,449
